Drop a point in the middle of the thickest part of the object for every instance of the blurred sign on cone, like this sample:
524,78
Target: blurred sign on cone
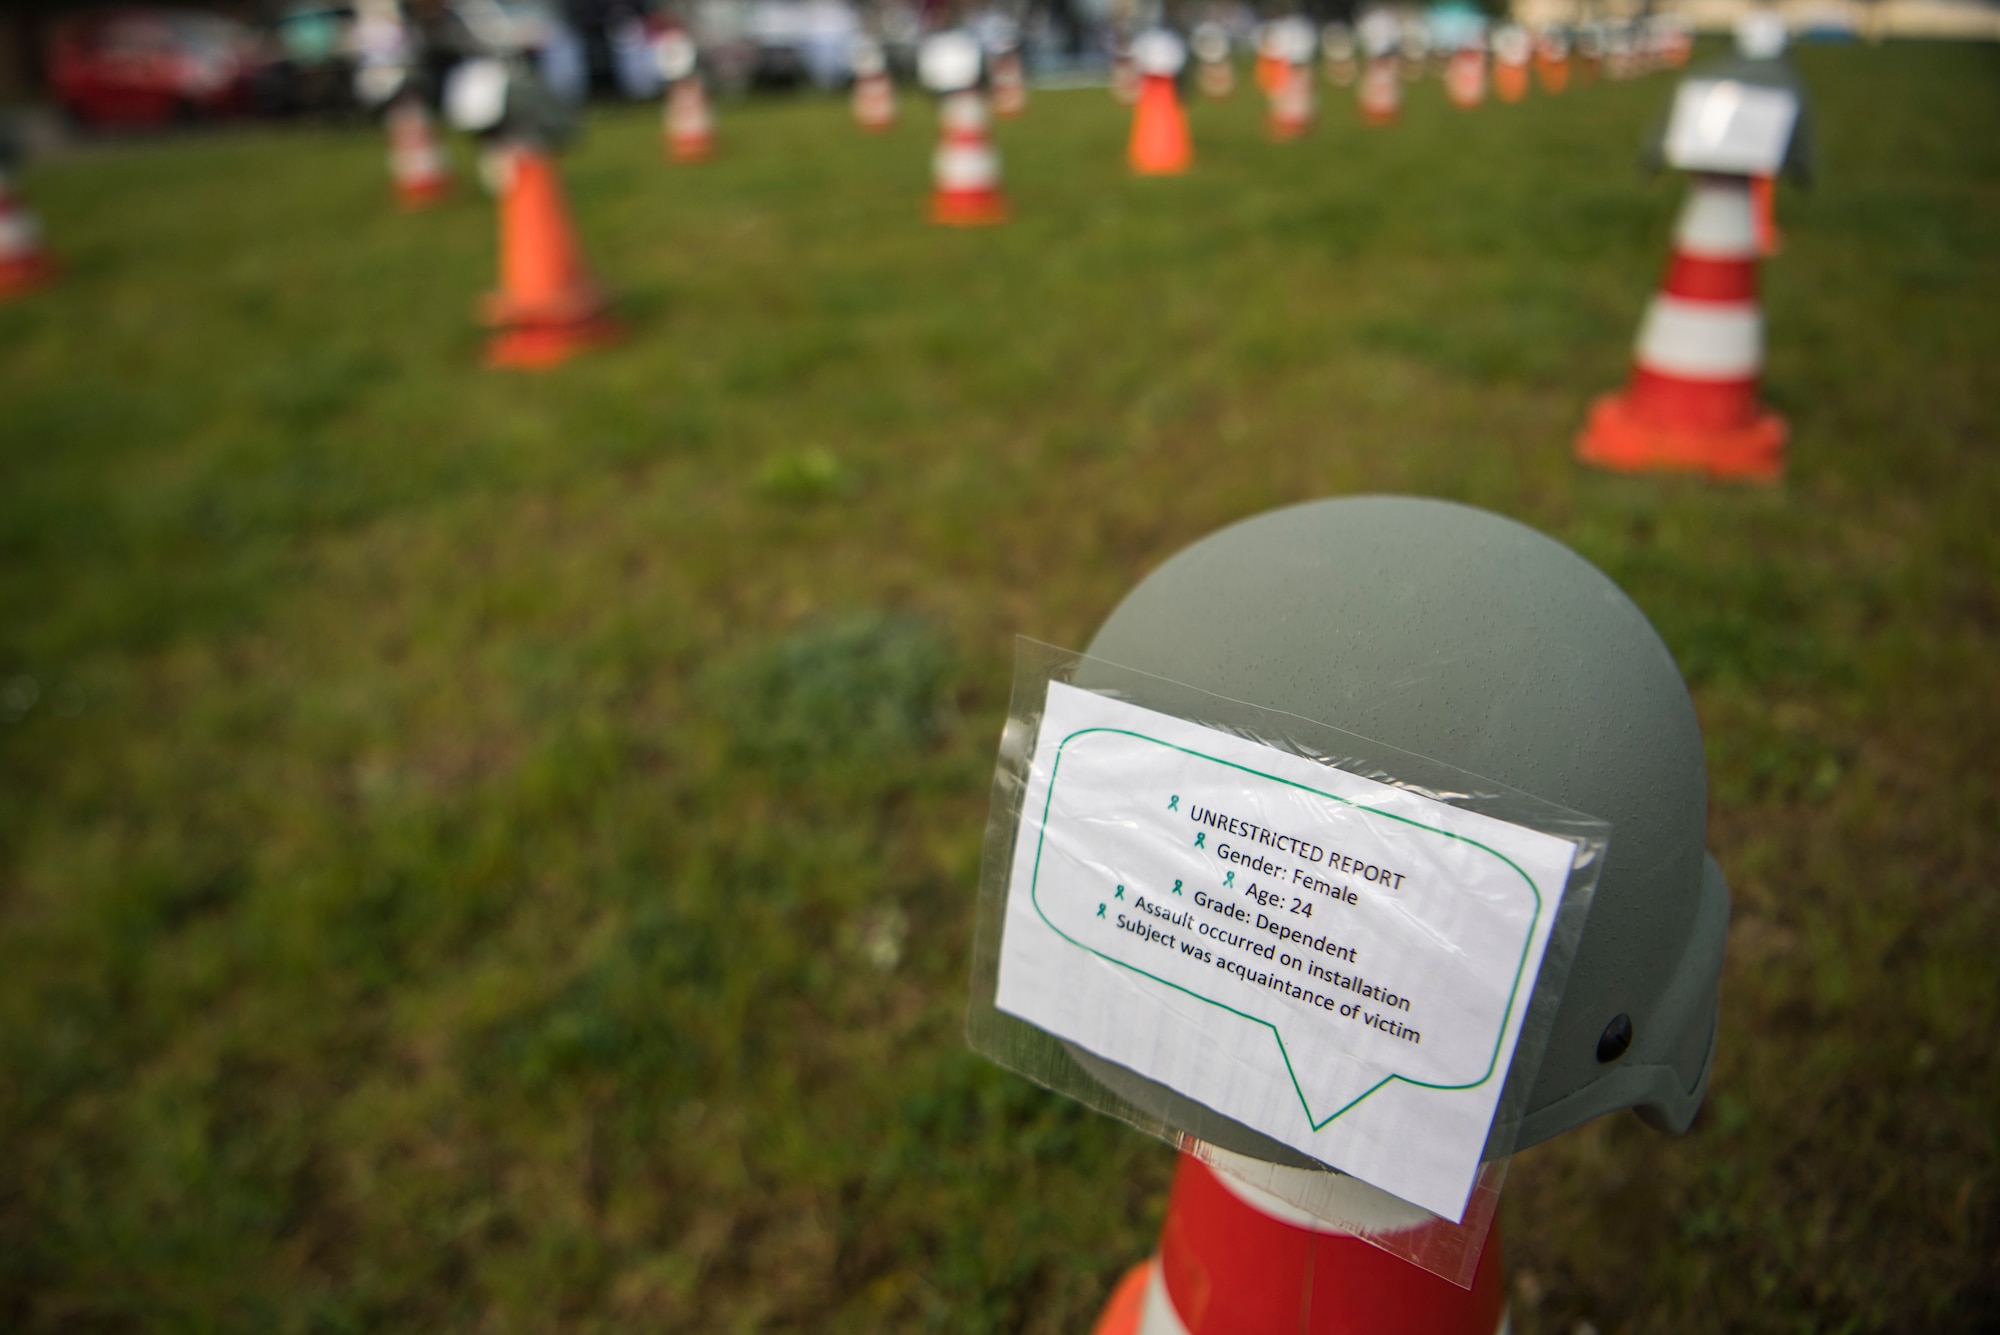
1160,145
24,263
549,307
1692,401
1236,1260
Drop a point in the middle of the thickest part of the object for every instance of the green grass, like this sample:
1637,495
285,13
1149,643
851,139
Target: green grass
428,898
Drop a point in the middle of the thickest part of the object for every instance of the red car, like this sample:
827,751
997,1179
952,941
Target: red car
153,66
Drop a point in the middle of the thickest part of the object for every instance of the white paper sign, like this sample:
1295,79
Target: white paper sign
1719,125
1337,963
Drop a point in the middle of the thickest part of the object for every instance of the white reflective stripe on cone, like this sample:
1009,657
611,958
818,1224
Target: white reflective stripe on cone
1716,223
1157,1316
20,236
1702,340
964,112
963,167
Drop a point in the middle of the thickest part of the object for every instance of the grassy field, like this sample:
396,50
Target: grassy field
497,853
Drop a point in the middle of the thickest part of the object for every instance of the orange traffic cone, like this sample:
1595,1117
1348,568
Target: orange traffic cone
1292,99
1124,72
1236,1260
688,128
548,307
416,163
1621,55
1381,93
1217,72
1159,144
1552,61
966,170
1692,401
1272,66
1336,46
1588,61
1512,52
1415,47
874,92
1764,199
1291,112
1009,84
1465,75
1675,40
24,264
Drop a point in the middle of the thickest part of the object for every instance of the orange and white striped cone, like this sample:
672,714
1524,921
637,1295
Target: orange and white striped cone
874,91
690,128
1587,59
549,307
1336,49
1009,84
1552,62
1159,145
1124,73
24,262
1381,93
1291,110
416,161
966,170
1692,402
1465,77
1621,56
1214,70
1414,51
874,102
1676,41
1513,52
1236,1260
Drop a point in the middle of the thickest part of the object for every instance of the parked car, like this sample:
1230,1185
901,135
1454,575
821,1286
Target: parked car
137,66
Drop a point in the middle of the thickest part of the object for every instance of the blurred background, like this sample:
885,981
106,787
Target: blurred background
484,850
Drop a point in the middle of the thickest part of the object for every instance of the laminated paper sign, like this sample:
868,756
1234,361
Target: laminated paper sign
1338,963
1720,125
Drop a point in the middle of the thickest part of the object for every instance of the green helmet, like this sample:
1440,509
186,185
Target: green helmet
1473,640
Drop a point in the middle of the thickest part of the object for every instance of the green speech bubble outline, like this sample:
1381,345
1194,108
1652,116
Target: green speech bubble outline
1520,967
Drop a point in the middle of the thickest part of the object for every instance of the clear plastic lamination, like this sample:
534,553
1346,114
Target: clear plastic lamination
1154,960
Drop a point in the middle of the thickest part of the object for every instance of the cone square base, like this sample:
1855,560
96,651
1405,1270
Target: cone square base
416,198
20,277
535,347
972,209
1618,439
